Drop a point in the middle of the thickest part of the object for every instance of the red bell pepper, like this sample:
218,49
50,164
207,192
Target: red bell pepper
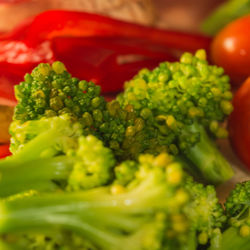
86,58
102,59
95,48
57,23
4,150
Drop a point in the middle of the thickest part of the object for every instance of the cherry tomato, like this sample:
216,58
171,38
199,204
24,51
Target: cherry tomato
230,49
239,123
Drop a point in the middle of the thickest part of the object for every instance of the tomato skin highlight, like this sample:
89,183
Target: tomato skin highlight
239,123
230,49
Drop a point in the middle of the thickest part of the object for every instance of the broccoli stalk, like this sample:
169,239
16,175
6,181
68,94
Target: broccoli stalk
133,219
210,163
42,174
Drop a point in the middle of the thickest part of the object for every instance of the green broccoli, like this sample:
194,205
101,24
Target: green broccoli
238,207
137,217
237,233
186,101
159,207
50,136
59,155
51,91
206,214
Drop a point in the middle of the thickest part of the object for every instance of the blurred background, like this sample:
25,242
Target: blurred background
177,14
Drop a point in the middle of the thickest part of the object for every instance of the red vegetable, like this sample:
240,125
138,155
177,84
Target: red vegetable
57,23
92,47
107,61
231,49
4,150
239,123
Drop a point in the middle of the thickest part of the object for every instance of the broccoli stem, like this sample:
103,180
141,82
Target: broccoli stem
34,148
209,160
94,214
231,240
35,174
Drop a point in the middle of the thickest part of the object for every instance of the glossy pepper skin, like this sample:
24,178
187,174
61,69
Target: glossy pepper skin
58,23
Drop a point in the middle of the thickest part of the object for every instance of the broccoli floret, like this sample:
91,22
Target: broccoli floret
204,210
187,102
238,207
237,233
50,136
140,216
59,156
125,172
93,165
51,91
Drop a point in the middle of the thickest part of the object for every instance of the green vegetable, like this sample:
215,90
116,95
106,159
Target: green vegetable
237,233
49,92
156,210
186,102
59,153
238,207
224,14
95,175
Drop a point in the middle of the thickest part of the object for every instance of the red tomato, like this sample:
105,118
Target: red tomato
239,123
231,49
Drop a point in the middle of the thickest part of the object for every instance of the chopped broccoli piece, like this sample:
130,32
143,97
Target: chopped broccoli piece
238,207
237,233
205,212
50,136
93,166
58,155
51,91
134,218
160,207
186,101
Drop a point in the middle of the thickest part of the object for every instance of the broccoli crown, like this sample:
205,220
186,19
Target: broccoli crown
51,91
93,166
176,95
238,207
204,210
